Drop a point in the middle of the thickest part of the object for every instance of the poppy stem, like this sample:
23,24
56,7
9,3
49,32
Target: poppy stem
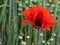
38,32
38,36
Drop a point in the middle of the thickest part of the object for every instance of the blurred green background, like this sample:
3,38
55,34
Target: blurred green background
11,17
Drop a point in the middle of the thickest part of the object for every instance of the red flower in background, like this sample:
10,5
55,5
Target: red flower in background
39,17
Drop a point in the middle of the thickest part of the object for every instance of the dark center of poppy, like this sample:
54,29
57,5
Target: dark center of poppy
38,23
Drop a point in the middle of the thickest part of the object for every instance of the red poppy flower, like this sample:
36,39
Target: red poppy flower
39,17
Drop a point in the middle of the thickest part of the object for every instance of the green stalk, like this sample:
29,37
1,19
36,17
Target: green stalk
15,23
3,10
58,31
20,6
10,40
35,37
38,37
55,15
3,22
3,31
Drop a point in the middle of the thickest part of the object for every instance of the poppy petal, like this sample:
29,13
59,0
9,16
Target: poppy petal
38,21
48,19
24,22
39,13
28,14
31,12
48,30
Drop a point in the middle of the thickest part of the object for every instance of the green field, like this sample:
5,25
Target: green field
13,33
